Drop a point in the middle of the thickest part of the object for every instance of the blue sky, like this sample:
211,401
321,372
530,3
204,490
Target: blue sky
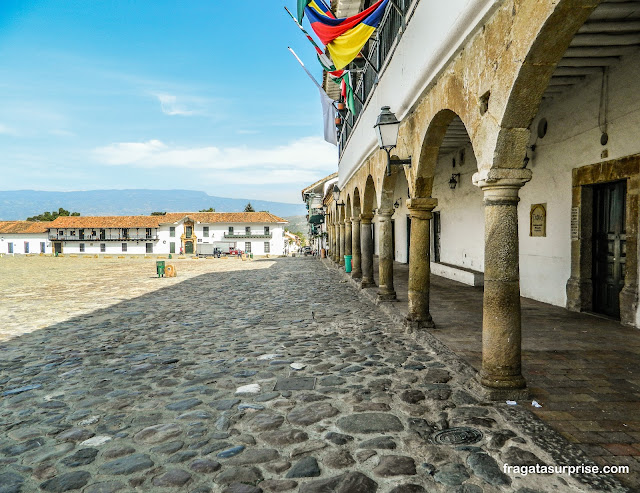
198,94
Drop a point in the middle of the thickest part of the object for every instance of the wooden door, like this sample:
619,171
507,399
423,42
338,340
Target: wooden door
609,246
436,236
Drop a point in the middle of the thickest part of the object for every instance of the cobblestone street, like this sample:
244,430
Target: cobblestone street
272,375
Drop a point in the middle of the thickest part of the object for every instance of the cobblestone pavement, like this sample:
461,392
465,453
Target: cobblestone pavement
276,377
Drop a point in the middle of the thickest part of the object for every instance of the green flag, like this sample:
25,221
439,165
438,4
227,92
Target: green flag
301,5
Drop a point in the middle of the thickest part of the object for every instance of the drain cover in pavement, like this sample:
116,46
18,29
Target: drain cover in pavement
295,383
457,436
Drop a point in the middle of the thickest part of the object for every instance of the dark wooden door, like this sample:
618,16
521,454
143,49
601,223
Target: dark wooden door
609,246
188,247
57,247
436,236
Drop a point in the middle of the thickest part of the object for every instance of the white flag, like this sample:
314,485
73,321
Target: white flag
328,115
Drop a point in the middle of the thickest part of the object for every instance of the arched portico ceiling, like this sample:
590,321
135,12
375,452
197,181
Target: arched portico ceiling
348,212
611,32
456,137
446,133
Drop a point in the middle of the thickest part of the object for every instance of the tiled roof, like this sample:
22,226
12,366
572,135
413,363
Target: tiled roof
155,221
222,217
106,222
23,227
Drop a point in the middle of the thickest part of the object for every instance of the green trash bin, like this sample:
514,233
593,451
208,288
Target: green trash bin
251,256
170,256
347,263
160,268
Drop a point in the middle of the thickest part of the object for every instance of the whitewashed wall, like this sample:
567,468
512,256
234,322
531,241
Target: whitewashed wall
461,212
572,141
18,241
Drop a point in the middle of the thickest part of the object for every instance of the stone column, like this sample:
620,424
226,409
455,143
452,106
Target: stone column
366,246
356,271
385,257
418,316
501,330
347,237
342,242
336,252
332,244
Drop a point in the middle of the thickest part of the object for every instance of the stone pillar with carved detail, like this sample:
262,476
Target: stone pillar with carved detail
347,237
342,241
366,249
418,316
356,269
386,291
501,374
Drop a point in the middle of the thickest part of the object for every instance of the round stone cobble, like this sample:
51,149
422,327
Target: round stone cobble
141,395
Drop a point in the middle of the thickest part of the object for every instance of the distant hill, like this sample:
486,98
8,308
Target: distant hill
298,224
20,204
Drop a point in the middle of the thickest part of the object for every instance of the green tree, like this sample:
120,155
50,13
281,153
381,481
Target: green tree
249,207
158,213
50,216
210,209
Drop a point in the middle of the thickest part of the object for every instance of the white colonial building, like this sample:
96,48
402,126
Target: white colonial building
23,237
258,233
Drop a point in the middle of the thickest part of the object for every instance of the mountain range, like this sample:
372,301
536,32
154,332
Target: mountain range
20,204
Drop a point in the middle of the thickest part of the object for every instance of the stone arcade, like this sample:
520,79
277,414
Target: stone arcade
501,104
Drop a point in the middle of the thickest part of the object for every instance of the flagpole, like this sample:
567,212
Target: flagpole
305,68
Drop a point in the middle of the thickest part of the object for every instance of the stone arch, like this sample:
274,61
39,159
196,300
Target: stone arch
440,128
348,211
531,80
370,201
356,202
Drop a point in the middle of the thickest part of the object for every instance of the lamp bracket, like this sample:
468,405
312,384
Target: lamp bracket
395,161
400,162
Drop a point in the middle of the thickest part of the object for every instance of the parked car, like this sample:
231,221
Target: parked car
306,250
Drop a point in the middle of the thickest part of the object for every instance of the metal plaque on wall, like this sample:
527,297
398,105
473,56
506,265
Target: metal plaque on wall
575,223
538,220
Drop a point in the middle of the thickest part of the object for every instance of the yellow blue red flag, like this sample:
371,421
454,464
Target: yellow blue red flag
345,37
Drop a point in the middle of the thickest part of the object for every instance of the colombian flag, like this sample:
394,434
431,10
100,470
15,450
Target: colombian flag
345,37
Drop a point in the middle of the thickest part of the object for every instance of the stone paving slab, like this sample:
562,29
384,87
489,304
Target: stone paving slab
174,391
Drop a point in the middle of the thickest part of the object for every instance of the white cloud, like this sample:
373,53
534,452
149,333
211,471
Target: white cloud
62,133
5,130
170,105
309,154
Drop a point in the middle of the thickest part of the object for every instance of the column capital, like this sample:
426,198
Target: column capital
347,220
385,213
366,218
500,185
507,178
422,204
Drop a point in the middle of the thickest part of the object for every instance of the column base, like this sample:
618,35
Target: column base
501,388
367,283
494,394
387,296
341,263
356,274
413,324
